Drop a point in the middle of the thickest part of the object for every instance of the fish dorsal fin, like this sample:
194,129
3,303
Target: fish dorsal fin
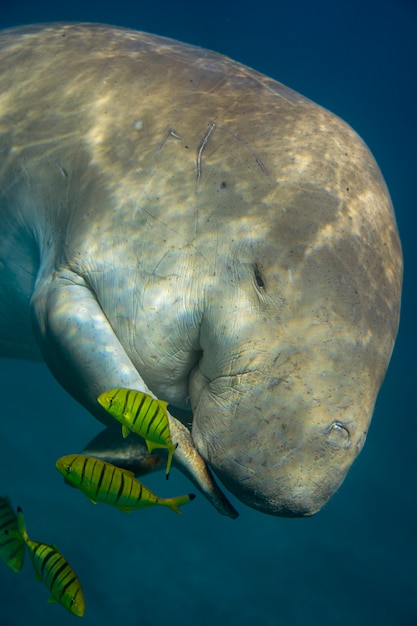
163,404
127,472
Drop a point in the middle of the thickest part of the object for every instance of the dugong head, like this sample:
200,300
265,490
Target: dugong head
299,328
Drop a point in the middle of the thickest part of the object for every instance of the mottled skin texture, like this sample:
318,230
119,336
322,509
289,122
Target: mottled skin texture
175,222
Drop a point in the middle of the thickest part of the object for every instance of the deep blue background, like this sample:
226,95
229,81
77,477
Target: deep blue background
355,563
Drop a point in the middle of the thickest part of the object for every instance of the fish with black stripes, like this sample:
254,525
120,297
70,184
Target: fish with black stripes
138,412
103,482
12,547
53,570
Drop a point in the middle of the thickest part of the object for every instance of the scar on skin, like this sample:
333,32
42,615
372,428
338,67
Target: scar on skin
211,127
61,169
205,140
200,150
171,133
252,152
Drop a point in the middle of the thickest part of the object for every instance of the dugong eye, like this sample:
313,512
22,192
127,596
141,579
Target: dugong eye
259,280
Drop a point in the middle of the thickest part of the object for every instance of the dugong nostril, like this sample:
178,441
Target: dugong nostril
338,435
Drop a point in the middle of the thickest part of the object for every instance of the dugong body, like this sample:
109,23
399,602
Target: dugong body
174,222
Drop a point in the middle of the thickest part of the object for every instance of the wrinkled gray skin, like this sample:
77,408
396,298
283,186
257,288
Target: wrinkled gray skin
175,222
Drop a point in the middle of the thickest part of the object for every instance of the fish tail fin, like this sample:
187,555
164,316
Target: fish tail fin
175,503
171,450
151,445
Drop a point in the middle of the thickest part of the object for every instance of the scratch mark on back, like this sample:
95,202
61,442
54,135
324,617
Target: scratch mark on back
200,149
170,133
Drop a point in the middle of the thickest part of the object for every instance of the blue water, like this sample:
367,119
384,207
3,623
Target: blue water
355,563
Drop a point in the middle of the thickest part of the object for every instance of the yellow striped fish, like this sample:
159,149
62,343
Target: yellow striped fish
12,548
104,482
138,412
52,569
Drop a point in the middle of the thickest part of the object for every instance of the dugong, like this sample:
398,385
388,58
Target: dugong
174,222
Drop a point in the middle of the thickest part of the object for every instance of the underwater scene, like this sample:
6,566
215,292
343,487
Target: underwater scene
81,538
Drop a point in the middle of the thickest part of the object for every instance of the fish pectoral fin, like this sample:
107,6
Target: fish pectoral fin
124,509
125,432
91,500
38,577
51,599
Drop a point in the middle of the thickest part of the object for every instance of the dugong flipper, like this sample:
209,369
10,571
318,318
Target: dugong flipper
174,222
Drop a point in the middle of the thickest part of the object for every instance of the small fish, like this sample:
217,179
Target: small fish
104,482
12,549
138,412
52,569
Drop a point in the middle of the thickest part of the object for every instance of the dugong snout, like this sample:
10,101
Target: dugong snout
295,483
282,457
